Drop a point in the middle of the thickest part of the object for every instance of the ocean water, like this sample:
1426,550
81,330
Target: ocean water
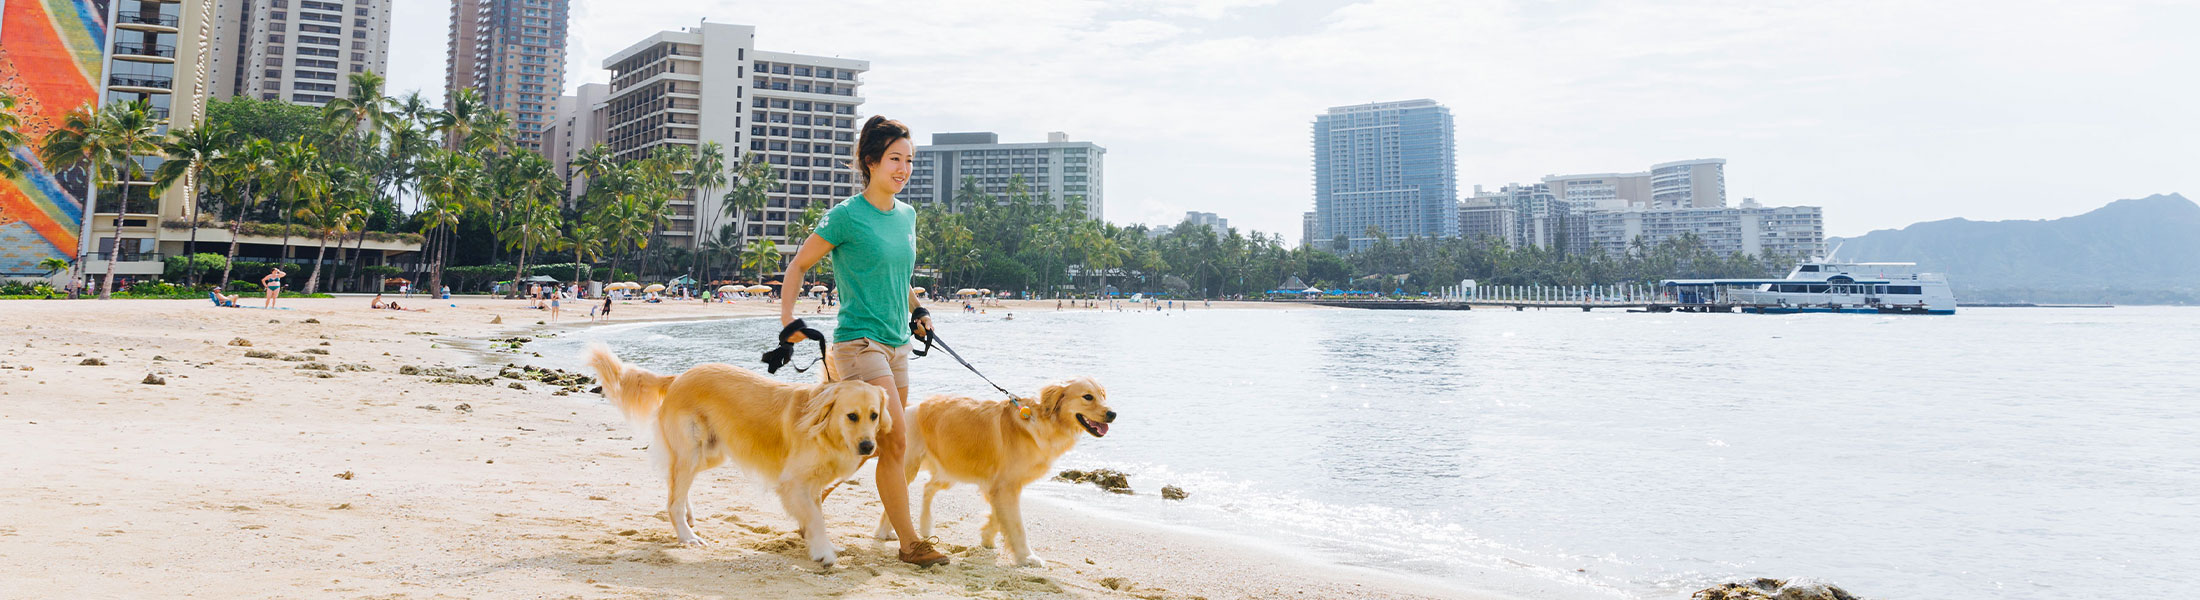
2005,454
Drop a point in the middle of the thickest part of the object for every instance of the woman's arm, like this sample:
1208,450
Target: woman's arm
790,286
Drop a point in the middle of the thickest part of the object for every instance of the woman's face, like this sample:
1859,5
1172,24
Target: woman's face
892,169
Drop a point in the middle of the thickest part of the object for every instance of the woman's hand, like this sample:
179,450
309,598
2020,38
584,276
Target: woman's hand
924,327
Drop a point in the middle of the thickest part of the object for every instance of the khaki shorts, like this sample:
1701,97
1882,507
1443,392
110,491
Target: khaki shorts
865,359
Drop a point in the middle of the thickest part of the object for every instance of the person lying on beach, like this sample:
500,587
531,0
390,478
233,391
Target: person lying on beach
377,302
225,300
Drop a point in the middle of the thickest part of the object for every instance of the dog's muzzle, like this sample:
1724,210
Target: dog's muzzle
865,448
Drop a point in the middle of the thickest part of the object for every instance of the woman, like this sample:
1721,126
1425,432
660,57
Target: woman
872,239
274,284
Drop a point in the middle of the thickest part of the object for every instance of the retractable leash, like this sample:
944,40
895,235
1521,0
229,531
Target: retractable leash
932,338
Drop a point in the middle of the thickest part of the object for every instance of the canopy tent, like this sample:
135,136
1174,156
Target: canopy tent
681,280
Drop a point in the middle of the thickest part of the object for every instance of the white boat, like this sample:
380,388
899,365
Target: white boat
1827,286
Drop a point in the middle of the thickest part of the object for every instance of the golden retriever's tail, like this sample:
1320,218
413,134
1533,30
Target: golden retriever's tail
634,390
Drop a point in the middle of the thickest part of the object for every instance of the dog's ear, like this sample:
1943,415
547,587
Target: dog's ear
885,416
1050,398
817,412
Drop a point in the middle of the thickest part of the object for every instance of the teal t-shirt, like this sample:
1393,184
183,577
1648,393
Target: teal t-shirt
874,254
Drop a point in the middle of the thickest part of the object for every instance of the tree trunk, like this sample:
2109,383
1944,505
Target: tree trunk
114,253
190,248
522,272
313,281
435,261
286,236
234,224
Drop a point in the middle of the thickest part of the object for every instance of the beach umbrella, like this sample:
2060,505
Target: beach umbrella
1311,290
818,289
985,291
759,289
918,289
965,292
728,288
654,287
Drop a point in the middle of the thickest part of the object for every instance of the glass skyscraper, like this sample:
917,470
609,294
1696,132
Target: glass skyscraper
1388,165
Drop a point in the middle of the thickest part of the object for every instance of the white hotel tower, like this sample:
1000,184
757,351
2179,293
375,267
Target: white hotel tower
710,84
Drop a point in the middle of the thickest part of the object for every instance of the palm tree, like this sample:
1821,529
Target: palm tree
53,265
533,223
191,153
586,241
762,254
238,178
335,209
296,172
10,167
705,174
363,104
106,143
725,244
457,123
450,181
754,181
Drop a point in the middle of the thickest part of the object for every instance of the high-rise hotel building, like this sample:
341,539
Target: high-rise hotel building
299,51
1057,169
513,53
1388,166
710,84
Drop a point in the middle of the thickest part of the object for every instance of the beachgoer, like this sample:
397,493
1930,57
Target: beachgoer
872,240
606,308
554,296
274,284
377,302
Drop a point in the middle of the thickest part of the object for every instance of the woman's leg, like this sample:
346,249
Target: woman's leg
893,480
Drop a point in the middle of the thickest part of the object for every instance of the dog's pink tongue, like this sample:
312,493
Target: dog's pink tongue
1100,426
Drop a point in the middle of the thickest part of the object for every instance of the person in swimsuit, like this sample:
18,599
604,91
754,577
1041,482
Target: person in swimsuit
274,284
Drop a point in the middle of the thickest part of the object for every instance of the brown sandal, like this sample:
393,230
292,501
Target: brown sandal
923,555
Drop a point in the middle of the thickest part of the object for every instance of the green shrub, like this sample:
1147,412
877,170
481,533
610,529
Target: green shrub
179,268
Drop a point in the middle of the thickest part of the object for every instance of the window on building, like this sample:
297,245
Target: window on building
274,38
278,15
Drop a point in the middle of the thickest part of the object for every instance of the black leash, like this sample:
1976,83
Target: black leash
932,338
779,357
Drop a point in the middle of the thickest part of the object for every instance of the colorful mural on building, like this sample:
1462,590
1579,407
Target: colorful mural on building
50,60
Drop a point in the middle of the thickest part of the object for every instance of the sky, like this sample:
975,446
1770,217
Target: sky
1884,112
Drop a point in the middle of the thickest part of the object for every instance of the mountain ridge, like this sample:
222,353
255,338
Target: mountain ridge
2139,250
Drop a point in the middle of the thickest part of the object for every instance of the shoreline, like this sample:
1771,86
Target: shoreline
271,477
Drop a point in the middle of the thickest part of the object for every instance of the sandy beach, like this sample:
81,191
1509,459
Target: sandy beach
325,471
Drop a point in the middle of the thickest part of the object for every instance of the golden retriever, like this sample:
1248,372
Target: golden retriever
962,440
800,437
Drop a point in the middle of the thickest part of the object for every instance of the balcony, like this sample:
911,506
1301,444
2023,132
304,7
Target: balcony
146,50
157,83
146,17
